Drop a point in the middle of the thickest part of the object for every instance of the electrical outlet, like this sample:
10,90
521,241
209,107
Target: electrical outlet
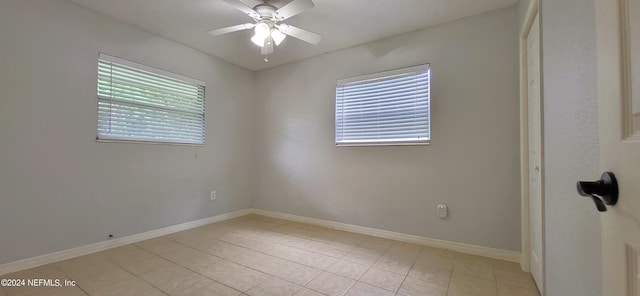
213,195
442,211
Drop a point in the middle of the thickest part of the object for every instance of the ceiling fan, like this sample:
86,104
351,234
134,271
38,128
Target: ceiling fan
268,27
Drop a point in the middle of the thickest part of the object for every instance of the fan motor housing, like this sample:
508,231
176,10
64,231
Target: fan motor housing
266,11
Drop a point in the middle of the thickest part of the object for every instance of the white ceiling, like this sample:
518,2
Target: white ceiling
342,23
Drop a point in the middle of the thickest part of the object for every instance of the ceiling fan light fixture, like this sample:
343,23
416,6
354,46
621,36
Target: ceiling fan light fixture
262,30
257,40
277,36
268,29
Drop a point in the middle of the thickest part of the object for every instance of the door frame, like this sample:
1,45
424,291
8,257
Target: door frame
525,261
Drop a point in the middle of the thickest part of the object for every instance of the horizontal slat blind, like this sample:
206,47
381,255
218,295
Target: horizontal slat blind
386,108
139,103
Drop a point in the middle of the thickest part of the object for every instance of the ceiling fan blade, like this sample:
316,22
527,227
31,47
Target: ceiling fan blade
218,32
243,7
294,7
268,46
301,34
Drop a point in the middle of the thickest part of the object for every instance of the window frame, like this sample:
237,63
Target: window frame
372,76
155,71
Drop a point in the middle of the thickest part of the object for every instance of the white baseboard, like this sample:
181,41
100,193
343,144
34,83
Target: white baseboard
101,246
458,247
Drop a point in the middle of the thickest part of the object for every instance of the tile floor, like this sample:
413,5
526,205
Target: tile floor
260,256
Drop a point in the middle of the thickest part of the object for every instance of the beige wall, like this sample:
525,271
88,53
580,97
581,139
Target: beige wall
523,6
472,164
58,187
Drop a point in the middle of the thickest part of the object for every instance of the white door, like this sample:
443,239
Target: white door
618,43
535,150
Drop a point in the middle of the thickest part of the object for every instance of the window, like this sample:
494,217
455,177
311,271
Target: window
388,108
140,103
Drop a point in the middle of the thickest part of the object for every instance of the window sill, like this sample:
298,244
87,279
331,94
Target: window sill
147,142
384,144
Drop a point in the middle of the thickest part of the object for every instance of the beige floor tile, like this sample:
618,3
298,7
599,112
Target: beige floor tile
270,265
348,269
166,277
255,255
431,251
383,279
416,287
294,230
147,265
220,266
377,248
90,271
184,235
307,292
194,260
85,264
362,256
458,292
327,249
362,289
430,274
24,290
331,284
158,245
410,247
515,278
264,219
241,240
214,289
219,248
192,284
36,272
394,264
300,275
152,292
435,261
255,260
131,287
126,254
509,290
382,242
183,254
468,285
314,260
274,287
401,255
241,279
207,265
339,238
474,259
479,269
261,224
60,291
95,282
507,266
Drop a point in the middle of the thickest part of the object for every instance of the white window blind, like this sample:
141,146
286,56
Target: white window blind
388,108
140,103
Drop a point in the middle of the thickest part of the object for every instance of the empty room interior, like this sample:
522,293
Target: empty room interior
305,147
